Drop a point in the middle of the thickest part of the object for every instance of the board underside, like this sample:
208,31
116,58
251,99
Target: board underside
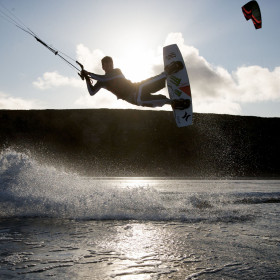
178,85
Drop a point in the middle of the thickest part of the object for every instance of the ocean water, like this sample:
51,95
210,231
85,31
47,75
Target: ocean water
58,225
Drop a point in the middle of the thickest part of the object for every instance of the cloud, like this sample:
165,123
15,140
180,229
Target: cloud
219,107
103,99
92,62
258,84
216,90
53,79
90,59
12,103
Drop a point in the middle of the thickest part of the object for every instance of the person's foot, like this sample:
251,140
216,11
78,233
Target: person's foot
180,104
173,67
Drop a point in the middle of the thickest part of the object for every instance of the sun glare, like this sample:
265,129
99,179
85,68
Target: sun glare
137,63
135,183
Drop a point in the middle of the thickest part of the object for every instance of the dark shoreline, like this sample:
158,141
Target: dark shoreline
135,143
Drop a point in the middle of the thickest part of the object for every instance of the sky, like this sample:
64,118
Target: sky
233,68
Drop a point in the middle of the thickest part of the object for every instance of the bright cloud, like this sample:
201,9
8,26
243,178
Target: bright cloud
258,84
218,107
53,79
90,59
103,99
214,89
12,103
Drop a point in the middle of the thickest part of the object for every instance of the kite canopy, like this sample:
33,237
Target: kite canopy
252,11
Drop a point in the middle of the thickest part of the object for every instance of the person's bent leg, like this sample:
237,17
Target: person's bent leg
154,84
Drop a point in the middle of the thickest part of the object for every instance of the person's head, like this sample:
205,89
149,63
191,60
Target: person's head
107,63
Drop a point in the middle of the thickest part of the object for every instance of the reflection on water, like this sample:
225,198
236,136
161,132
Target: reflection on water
57,225
34,249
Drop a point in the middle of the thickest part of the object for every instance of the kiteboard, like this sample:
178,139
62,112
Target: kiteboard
178,85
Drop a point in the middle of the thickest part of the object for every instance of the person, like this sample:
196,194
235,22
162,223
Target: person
135,93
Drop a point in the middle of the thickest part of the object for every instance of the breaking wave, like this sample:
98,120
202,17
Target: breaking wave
31,189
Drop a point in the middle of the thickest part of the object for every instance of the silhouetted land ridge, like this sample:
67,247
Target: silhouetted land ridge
107,142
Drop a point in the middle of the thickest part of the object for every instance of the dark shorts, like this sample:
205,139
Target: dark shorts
144,89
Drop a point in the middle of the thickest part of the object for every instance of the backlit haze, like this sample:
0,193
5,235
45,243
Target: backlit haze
233,68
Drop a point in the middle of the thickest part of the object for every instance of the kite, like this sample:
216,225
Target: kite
251,10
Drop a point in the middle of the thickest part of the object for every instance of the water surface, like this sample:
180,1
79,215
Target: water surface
58,225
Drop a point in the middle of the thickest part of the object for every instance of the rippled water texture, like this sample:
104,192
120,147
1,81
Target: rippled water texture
57,225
